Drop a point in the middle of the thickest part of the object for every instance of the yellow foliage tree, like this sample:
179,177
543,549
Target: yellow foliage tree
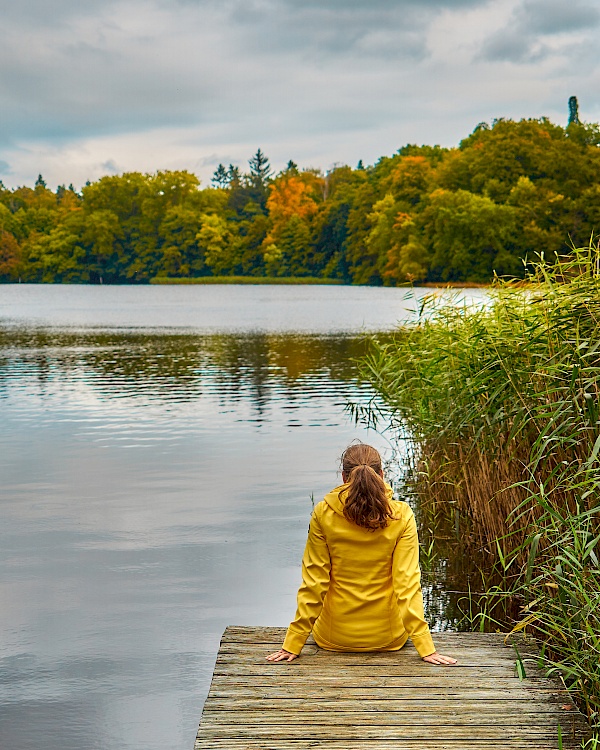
411,179
406,257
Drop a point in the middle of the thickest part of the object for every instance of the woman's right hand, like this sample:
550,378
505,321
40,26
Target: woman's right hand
439,659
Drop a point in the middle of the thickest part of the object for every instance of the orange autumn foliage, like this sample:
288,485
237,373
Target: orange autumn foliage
10,254
293,195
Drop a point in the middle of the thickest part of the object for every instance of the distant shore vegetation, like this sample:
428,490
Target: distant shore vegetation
510,191
244,280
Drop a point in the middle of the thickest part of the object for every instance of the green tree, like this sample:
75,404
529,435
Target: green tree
330,231
469,237
296,250
218,244
55,257
252,233
181,252
363,263
101,234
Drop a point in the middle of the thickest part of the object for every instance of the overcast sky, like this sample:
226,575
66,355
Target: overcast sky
93,87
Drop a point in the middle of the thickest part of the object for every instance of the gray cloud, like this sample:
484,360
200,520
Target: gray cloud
4,167
349,6
37,12
96,75
143,84
522,39
514,46
558,16
110,166
112,67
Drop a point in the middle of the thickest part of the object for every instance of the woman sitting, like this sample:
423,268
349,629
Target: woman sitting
361,582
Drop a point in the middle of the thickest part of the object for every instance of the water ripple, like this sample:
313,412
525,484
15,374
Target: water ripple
155,488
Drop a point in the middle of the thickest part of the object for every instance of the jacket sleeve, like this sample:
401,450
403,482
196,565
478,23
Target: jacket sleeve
406,576
316,567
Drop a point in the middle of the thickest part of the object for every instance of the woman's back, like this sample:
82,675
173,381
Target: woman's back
358,567
360,558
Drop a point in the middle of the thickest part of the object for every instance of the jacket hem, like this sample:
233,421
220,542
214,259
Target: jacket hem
395,645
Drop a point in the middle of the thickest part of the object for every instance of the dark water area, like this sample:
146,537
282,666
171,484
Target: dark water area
159,448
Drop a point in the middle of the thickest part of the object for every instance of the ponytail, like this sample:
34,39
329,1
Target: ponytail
366,499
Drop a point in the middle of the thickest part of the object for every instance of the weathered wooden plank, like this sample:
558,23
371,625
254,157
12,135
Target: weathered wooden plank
408,664
352,693
438,706
439,680
272,671
474,656
512,718
380,701
336,731
494,650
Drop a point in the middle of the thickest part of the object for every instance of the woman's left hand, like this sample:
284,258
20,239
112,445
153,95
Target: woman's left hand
282,655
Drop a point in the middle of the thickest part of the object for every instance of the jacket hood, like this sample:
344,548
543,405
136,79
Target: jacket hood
337,504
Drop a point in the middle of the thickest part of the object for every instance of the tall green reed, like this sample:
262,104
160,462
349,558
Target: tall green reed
502,402
498,394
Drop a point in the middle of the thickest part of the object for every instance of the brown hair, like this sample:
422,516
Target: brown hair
365,501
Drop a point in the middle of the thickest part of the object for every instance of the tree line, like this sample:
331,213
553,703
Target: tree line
510,191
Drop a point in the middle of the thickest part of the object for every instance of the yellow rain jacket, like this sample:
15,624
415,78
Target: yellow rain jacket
361,589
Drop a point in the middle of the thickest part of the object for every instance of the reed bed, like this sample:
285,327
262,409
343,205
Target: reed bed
502,404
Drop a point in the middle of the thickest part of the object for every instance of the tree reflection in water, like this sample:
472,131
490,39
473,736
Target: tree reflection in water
182,367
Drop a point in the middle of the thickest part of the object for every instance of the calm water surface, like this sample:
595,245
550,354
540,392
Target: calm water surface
159,447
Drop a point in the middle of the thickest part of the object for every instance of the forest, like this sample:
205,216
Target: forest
510,192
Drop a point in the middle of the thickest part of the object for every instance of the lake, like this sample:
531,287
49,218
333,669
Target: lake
159,449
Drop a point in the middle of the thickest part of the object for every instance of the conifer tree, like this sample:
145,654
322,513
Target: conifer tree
234,176
220,177
260,169
259,178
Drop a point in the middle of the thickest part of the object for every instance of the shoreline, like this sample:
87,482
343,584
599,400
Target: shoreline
299,280
308,280
265,280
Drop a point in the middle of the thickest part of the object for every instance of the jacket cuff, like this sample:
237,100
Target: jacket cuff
294,641
423,643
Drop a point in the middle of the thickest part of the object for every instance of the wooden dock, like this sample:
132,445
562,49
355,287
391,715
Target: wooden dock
384,701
